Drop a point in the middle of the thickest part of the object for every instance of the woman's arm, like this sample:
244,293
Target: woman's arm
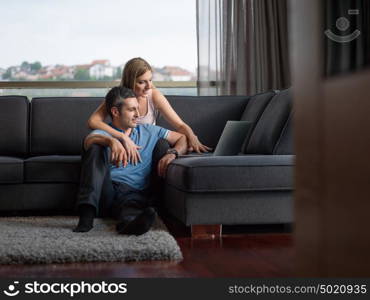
162,104
96,121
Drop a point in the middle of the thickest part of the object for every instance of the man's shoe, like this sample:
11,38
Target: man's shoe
86,221
137,225
84,225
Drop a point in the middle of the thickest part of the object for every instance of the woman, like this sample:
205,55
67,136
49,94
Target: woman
137,75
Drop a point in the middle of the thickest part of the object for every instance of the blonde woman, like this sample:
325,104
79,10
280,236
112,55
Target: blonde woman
137,75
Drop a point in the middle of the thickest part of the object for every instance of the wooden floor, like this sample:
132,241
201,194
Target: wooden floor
241,252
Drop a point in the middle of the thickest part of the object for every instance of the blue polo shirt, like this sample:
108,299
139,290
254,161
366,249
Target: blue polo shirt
146,136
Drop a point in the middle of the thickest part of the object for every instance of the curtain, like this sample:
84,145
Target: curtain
242,46
341,19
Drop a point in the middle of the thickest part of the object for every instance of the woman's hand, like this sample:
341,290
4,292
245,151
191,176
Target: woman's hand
133,155
118,153
195,145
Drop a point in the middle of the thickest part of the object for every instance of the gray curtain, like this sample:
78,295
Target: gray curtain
242,46
352,55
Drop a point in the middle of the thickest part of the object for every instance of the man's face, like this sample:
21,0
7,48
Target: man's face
128,116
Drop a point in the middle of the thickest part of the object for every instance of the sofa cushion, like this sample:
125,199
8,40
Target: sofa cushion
232,173
207,115
253,112
58,125
284,145
53,168
270,125
11,169
14,125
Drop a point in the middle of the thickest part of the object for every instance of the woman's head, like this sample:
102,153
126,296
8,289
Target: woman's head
137,75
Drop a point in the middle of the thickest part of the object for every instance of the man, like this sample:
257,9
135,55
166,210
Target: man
111,189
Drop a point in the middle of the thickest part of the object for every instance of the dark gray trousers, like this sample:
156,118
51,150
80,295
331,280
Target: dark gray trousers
110,198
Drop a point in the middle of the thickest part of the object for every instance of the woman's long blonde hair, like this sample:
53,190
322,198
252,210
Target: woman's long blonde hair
134,68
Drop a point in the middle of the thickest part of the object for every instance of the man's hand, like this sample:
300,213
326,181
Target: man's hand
118,154
163,164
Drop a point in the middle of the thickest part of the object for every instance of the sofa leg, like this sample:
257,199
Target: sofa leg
206,231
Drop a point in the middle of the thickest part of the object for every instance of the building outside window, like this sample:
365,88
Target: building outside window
79,47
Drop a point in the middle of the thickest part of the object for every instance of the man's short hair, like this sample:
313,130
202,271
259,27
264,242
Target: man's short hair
116,97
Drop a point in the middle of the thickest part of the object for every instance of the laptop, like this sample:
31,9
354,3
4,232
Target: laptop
232,138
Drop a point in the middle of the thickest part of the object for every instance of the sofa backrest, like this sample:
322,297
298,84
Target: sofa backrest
206,115
272,132
59,124
14,125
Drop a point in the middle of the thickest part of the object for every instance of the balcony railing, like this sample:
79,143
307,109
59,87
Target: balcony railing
33,89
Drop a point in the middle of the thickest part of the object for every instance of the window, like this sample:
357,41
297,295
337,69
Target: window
85,43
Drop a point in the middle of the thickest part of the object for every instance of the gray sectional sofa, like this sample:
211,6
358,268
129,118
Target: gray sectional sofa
40,145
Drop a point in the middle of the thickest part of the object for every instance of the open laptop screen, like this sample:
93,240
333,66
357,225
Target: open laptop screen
232,138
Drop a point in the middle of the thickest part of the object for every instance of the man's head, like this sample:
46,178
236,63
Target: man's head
122,106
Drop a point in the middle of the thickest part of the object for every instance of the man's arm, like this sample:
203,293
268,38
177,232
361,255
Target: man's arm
177,141
118,153
99,139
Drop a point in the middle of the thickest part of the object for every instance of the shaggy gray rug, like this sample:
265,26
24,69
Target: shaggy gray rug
35,240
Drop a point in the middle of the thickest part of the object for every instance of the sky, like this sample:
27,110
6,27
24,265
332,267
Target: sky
79,31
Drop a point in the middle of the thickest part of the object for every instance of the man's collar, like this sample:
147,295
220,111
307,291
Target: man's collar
120,130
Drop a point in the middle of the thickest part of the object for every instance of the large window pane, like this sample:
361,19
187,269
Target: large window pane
92,39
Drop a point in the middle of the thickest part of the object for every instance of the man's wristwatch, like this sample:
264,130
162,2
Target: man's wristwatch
173,151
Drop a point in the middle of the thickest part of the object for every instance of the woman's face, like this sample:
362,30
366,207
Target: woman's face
143,84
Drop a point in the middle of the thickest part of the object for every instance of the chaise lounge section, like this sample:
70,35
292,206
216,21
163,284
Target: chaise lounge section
254,187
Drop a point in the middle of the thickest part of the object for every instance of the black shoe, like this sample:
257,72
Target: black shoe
137,225
86,221
84,225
